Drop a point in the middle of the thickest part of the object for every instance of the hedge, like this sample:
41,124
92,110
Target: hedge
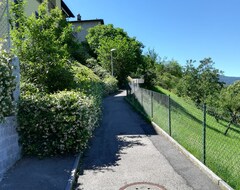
56,124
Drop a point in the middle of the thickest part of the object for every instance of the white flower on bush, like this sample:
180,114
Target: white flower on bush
7,84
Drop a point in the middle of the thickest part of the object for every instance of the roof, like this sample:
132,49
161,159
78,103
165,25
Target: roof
66,10
84,21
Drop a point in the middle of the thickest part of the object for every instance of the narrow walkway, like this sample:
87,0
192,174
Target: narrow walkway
126,150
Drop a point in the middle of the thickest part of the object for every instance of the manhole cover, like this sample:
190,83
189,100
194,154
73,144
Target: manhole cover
142,186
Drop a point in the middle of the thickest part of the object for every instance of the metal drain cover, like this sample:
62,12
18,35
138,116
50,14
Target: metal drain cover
142,186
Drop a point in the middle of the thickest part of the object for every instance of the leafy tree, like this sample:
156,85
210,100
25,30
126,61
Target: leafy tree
168,73
173,68
43,44
102,32
201,84
230,104
147,69
128,54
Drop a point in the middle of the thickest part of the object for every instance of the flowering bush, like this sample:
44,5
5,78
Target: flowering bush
62,122
56,124
7,84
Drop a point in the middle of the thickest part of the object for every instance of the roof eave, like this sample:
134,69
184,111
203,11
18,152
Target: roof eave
66,10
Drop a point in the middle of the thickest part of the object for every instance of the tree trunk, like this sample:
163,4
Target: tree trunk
228,127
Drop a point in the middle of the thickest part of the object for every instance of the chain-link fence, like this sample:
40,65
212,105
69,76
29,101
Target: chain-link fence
196,130
4,24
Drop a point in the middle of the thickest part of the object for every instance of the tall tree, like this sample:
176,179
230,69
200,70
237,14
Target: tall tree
127,57
168,73
201,84
147,69
230,104
102,32
44,45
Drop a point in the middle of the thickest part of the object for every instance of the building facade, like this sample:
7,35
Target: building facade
85,26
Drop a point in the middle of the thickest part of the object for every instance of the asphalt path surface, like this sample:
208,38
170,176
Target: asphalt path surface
126,150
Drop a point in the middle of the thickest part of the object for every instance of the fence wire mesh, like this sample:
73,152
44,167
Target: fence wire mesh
204,138
4,24
223,151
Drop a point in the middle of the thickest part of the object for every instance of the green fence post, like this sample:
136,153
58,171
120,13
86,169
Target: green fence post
204,134
169,116
151,104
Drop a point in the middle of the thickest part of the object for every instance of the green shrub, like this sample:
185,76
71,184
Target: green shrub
86,81
110,85
56,124
97,69
7,84
28,88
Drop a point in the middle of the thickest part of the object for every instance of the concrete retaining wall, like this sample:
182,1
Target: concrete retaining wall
9,147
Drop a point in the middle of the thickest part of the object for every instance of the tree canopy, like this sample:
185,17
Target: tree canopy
200,83
230,104
127,55
44,46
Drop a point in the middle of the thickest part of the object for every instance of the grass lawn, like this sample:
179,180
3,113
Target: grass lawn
222,152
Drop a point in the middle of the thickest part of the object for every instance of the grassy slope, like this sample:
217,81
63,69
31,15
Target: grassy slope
222,152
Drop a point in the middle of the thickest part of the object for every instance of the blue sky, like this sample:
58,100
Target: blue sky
180,30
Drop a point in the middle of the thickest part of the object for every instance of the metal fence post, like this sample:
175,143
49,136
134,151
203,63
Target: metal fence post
141,96
151,104
169,116
204,134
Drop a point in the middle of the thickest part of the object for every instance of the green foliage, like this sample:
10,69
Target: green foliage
44,46
54,124
86,81
201,84
59,123
168,74
110,83
229,103
102,32
7,84
127,56
51,120
147,69
82,52
27,88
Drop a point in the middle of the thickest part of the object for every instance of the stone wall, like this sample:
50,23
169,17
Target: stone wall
9,147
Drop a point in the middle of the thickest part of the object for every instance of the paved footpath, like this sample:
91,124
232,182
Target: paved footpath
126,150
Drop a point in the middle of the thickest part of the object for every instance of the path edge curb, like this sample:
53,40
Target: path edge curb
216,179
72,177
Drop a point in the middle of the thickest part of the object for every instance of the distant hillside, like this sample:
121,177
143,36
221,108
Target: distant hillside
228,80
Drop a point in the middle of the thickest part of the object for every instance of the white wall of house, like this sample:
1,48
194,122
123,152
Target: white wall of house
32,5
85,26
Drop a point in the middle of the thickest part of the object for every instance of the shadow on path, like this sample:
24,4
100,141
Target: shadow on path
119,120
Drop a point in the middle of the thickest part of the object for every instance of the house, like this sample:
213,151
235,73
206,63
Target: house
31,8
85,26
